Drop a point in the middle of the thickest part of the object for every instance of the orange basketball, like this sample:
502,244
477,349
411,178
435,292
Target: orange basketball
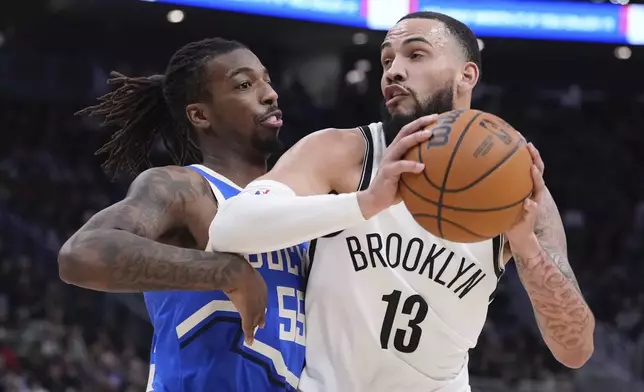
476,177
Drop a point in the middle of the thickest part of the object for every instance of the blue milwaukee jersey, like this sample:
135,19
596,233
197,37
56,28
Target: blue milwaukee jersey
198,344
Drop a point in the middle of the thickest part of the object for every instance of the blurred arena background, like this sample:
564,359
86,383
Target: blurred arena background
568,75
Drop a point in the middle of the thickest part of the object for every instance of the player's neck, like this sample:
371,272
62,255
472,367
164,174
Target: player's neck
237,168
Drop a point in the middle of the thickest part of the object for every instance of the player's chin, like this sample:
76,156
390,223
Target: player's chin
268,130
401,110
268,141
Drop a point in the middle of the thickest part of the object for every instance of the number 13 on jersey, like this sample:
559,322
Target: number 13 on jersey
416,308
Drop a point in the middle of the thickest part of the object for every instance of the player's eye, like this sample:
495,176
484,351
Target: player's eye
416,55
243,86
386,62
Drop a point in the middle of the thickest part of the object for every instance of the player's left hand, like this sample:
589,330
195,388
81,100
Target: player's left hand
521,236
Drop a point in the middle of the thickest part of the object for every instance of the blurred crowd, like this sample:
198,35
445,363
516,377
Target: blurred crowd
57,338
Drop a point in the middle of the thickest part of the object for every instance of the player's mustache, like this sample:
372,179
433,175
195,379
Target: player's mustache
270,110
411,91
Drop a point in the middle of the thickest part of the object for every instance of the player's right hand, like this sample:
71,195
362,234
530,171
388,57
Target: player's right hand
383,191
249,294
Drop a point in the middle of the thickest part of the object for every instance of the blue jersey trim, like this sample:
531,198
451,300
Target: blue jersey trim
268,367
204,328
226,190
235,347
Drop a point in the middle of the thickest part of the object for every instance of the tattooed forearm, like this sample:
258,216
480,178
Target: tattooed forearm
561,312
118,261
552,236
116,250
564,319
560,260
549,226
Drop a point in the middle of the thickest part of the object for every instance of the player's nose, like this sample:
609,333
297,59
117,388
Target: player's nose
270,96
396,73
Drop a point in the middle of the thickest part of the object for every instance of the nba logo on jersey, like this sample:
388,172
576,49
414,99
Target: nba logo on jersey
198,344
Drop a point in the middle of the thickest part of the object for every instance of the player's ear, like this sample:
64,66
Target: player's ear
468,78
197,114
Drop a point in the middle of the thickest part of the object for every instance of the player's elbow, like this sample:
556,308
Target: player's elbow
575,359
68,265
74,265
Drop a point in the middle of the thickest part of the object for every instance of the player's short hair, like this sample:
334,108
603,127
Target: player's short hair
143,108
463,34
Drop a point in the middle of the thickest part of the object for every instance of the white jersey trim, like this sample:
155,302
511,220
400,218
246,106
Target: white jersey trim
218,195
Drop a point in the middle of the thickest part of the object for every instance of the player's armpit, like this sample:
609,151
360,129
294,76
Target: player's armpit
116,249
291,204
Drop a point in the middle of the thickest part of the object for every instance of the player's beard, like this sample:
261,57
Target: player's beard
440,102
267,145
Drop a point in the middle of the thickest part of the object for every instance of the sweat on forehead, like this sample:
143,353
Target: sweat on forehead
434,31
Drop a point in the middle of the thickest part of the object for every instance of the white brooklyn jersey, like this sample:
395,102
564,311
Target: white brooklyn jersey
390,307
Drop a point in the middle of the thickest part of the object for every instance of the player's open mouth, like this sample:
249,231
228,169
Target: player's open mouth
394,93
272,120
394,101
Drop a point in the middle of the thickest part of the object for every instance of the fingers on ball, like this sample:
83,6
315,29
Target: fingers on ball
400,167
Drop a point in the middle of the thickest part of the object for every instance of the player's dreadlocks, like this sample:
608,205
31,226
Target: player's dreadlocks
145,107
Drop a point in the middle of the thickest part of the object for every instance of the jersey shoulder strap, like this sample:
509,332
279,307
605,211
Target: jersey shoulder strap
367,162
221,187
498,244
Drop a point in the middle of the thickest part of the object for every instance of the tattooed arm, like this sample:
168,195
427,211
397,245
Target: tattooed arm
116,249
538,245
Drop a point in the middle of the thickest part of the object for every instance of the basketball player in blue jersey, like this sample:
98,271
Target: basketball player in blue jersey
202,304
390,307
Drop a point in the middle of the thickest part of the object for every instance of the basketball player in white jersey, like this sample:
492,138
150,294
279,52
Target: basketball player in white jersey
389,306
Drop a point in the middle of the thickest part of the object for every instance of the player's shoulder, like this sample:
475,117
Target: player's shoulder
337,136
169,184
337,144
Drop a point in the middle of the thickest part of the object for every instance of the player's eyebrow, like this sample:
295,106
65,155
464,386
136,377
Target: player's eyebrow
234,72
248,70
407,41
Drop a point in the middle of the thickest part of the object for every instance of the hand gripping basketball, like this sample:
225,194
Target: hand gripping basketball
522,235
383,191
